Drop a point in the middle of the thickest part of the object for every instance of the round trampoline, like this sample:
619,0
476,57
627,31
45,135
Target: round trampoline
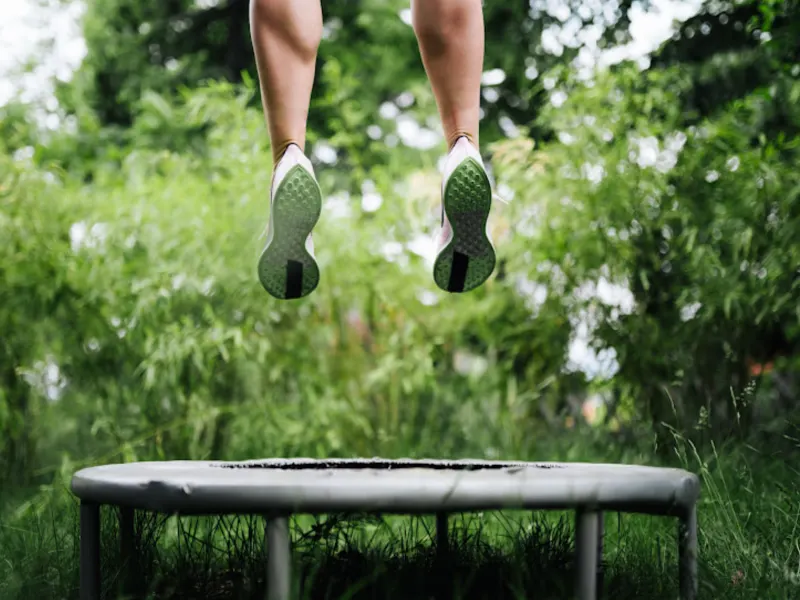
278,488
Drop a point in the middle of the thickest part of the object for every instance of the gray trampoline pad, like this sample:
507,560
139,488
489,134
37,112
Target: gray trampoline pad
380,485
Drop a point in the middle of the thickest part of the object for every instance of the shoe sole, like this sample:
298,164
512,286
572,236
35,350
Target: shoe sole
286,269
469,259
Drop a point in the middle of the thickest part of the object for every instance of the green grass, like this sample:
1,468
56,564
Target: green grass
749,535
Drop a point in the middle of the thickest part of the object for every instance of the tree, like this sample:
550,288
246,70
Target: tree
681,183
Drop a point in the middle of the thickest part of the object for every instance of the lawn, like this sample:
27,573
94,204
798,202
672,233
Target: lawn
749,529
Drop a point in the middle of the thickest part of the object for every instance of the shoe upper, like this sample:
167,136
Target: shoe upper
291,158
461,151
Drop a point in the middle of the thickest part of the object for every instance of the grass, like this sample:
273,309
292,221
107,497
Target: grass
749,547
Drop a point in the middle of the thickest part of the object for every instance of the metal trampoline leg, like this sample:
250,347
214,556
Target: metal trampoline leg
442,542
687,555
601,534
90,551
127,546
279,575
587,533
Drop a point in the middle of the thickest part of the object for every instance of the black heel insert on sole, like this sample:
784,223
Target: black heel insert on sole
458,272
294,279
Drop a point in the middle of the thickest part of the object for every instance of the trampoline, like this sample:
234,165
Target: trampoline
278,488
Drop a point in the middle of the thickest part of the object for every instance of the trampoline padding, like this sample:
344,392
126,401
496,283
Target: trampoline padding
381,485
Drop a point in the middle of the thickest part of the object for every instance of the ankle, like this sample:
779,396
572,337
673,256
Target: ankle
453,139
280,151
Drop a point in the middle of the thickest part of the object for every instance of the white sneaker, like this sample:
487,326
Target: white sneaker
287,267
465,255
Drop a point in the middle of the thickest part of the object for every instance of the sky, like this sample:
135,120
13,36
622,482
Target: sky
24,26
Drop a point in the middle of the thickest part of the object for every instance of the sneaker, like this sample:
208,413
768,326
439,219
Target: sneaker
287,267
465,255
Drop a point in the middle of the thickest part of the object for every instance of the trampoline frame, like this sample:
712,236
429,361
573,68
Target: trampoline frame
588,521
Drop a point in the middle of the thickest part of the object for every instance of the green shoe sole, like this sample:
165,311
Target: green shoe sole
468,260
286,269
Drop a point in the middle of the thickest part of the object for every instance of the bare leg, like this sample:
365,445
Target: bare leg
451,41
286,35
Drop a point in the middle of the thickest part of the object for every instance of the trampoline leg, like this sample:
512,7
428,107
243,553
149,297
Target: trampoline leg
442,542
279,576
127,550
687,555
90,551
587,532
601,533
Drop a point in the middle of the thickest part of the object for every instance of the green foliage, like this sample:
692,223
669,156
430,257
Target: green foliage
35,294
730,51
368,56
166,344
701,223
654,219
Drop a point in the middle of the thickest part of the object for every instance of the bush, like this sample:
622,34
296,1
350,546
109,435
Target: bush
154,338
697,223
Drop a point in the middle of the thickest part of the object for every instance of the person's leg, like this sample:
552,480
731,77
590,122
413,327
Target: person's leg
286,35
451,41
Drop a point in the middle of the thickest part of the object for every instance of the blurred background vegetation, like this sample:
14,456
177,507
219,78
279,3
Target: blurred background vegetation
649,279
